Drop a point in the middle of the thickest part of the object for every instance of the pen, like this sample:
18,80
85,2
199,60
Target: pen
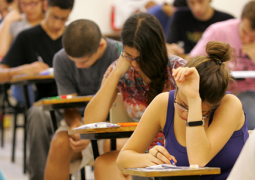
158,143
39,58
118,47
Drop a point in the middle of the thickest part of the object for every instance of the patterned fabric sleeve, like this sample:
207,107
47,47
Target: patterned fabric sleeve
175,62
110,69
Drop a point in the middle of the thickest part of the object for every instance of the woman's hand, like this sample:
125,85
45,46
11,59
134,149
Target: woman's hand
122,66
187,80
159,155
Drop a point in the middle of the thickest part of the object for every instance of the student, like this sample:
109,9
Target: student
188,24
39,42
142,71
78,69
242,39
245,164
15,22
5,8
202,123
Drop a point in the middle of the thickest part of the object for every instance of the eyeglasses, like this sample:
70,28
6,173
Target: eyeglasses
31,4
129,58
178,105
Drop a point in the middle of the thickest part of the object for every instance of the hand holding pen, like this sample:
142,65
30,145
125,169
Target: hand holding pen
171,160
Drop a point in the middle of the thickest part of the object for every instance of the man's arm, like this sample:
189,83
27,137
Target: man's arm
72,117
7,73
5,35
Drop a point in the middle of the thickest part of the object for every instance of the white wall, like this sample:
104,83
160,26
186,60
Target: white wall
100,10
233,7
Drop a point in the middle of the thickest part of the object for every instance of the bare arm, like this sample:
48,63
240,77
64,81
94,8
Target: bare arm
98,108
102,101
6,73
5,35
72,117
133,153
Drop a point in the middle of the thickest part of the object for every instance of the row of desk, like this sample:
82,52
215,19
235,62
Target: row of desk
99,133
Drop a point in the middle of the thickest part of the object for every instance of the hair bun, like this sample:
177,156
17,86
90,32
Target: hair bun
219,51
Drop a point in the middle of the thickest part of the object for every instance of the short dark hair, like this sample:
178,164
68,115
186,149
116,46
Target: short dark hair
62,4
9,1
81,38
249,13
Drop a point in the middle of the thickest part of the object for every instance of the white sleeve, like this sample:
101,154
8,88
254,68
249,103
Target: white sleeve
244,167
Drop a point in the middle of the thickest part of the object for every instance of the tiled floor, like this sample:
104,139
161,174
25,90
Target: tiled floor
14,171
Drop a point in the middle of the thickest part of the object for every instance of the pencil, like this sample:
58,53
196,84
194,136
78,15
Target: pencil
118,47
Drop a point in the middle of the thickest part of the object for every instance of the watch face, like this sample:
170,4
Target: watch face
195,123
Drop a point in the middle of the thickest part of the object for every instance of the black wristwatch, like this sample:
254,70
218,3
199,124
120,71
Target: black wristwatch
195,123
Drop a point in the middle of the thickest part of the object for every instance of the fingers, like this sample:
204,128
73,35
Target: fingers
159,155
79,145
181,72
75,136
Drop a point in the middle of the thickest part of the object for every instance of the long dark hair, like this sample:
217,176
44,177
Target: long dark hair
144,32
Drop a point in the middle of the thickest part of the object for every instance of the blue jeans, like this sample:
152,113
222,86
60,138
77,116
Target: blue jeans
248,101
17,93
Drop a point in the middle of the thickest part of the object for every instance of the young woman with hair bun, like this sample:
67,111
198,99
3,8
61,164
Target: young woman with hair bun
203,124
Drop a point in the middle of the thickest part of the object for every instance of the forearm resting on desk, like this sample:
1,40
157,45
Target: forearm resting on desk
7,73
132,159
72,117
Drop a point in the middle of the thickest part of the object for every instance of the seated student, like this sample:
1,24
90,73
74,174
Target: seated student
202,123
245,164
5,7
142,71
13,24
32,14
242,39
188,24
42,41
78,69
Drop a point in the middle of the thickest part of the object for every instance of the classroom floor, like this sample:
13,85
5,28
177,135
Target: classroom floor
14,171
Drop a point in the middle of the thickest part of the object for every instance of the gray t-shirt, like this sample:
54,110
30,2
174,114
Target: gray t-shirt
71,79
18,26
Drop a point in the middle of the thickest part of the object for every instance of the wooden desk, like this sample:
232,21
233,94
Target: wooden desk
174,174
21,79
53,104
24,80
103,133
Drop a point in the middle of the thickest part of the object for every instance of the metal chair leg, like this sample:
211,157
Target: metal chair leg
14,136
83,174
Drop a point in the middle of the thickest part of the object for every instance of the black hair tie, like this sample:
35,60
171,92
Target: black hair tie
219,62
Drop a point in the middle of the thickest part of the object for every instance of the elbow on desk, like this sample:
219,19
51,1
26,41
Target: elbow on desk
119,163
201,162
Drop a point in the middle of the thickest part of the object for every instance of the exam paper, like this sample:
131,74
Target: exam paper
97,125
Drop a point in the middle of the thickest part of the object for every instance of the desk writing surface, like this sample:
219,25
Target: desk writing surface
102,130
172,172
62,101
20,78
243,74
